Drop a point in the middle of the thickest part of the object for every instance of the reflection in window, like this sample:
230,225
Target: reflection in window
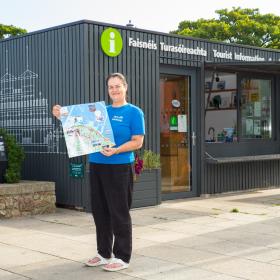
256,108
220,107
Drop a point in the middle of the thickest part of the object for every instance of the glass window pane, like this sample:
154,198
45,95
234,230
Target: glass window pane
256,108
220,107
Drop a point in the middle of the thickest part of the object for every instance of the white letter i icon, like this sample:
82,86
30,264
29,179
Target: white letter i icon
112,42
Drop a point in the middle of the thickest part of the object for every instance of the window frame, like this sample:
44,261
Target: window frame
246,75
239,76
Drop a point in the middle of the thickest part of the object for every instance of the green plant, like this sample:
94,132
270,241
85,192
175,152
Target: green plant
151,159
15,155
234,210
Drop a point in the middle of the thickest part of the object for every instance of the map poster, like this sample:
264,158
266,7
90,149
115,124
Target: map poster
87,128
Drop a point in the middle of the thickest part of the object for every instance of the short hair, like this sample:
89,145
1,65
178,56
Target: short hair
116,75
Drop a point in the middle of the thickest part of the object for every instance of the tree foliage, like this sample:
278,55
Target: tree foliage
241,26
10,30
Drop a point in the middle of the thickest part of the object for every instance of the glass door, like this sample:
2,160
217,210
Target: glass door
175,150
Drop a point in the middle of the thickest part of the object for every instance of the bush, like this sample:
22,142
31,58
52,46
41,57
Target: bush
15,155
151,160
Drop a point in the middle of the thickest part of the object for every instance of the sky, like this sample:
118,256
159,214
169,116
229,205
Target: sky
154,15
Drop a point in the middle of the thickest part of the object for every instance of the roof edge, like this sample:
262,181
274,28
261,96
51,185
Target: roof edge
86,21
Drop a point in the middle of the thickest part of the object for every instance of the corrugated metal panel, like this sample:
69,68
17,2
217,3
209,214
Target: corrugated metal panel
69,67
56,61
230,177
140,68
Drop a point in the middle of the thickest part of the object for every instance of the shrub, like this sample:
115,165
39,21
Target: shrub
15,155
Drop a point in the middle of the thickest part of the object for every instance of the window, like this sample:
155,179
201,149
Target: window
220,107
256,108
237,108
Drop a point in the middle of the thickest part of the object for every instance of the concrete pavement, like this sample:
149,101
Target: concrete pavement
199,239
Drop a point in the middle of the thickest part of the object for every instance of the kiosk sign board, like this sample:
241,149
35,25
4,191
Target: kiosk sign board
76,170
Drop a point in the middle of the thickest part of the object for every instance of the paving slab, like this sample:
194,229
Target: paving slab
52,245
65,269
180,274
247,269
12,256
157,235
182,239
143,267
179,255
7,275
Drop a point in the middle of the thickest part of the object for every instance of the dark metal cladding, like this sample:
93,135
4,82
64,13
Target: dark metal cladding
65,65
231,177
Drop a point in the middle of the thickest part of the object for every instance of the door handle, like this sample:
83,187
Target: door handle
193,138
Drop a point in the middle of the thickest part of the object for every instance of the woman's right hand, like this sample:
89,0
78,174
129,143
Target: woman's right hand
56,111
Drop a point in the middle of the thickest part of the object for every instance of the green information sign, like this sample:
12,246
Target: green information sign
111,42
173,122
76,170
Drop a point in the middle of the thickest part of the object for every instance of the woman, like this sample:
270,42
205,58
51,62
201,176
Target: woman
111,179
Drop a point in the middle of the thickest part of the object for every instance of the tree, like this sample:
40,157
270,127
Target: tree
10,30
241,26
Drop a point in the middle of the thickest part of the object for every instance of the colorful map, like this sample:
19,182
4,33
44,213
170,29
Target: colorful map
87,128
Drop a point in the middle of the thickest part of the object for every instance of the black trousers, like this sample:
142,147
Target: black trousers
111,197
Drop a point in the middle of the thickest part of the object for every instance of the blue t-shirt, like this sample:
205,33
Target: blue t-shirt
126,121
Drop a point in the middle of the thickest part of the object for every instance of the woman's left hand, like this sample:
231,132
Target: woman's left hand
109,151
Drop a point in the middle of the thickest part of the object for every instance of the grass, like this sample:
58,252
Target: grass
236,210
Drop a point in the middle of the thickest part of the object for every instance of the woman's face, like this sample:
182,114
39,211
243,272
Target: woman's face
117,90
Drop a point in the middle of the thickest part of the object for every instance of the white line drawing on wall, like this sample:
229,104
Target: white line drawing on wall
25,113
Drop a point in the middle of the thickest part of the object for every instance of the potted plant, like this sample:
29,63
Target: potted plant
146,161
147,187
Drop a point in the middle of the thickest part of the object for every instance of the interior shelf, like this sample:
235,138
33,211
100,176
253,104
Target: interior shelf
219,109
220,90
